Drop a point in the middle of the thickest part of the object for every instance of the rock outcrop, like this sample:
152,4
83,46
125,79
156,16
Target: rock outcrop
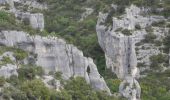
88,12
119,47
36,20
8,70
120,54
33,4
54,54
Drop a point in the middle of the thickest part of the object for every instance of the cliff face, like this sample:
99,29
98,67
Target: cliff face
36,20
122,38
120,53
55,55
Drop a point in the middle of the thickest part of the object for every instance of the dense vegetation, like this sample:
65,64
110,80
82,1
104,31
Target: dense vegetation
62,19
74,89
156,86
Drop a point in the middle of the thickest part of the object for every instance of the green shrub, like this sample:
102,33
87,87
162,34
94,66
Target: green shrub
2,81
18,95
58,75
20,54
80,90
41,1
137,27
7,21
149,29
6,60
149,38
159,24
166,43
157,91
62,95
29,72
13,80
126,32
156,60
36,89
113,85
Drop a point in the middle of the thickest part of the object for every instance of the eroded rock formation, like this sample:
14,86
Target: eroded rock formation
54,54
120,54
119,40
36,20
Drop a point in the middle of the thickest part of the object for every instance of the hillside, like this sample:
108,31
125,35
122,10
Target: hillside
84,49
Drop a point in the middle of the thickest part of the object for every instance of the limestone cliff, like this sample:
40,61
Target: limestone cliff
36,20
55,55
120,54
119,41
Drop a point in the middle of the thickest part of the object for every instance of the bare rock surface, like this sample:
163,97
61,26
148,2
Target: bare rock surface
53,54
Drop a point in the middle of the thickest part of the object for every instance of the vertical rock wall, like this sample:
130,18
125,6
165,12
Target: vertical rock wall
55,55
120,54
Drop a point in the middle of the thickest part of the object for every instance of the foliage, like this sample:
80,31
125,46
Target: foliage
113,85
62,19
5,60
80,90
149,38
155,86
18,95
149,29
29,72
126,32
159,24
36,89
4,49
157,60
137,26
7,21
20,54
166,42
41,1
2,81
13,80
62,95
58,75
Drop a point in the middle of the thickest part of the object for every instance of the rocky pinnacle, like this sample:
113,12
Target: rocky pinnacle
120,55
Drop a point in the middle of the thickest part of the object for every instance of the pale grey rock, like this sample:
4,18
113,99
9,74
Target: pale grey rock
54,54
2,1
88,12
52,83
130,88
36,20
33,4
10,3
120,51
129,20
8,54
8,70
95,78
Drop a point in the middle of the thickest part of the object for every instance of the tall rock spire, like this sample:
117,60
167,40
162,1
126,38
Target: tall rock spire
120,53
